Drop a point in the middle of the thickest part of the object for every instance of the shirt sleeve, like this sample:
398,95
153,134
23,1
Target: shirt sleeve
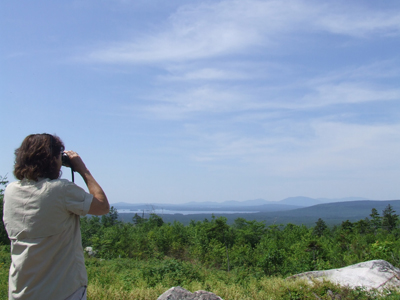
77,200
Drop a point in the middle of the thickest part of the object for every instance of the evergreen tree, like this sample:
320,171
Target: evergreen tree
376,220
320,227
363,226
389,218
347,226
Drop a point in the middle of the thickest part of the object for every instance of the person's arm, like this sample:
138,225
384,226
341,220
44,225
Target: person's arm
100,205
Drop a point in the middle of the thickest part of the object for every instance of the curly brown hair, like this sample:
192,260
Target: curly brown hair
37,157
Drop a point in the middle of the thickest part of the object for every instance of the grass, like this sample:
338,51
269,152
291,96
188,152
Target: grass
146,280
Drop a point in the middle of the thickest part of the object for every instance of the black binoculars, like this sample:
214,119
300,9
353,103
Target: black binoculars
65,160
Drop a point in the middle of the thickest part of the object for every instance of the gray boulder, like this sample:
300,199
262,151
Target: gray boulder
178,293
373,274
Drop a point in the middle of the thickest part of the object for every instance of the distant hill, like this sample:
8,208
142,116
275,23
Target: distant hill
300,201
191,205
254,202
248,205
346,199
271,207
307,201
331,213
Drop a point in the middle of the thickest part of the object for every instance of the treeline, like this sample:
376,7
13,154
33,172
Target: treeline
247,245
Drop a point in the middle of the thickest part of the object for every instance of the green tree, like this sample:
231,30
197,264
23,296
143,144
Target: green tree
376,220
320,227
389,218
248,232
155,220
363,226
111,218
137,220
218,229
347,226
90,226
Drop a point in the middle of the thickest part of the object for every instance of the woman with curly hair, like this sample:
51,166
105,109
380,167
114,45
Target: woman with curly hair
41,216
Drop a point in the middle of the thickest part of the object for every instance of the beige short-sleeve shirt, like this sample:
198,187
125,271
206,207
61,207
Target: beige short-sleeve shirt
42,221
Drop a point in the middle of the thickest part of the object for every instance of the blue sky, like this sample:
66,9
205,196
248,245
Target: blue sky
177,101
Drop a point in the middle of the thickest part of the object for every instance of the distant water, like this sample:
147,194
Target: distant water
182,212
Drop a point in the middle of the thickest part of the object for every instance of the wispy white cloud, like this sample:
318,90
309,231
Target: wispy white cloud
205,74
182,104
195,83
17,55
352,85
381,69
198,31
329,148
226,70
345,93
359,21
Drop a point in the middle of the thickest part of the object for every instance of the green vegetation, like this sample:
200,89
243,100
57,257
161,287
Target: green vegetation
244,260
247,245
3,234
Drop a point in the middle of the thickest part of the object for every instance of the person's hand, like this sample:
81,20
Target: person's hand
99,205
76,161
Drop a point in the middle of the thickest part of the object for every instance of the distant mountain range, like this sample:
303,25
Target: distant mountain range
332,213
306,201
249,205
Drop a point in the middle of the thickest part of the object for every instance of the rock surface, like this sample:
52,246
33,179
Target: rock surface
373,274
178,293
90,251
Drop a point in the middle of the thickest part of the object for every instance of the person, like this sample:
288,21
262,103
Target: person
41,217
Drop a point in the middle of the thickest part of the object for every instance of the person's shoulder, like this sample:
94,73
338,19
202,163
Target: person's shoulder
12,185
59,183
